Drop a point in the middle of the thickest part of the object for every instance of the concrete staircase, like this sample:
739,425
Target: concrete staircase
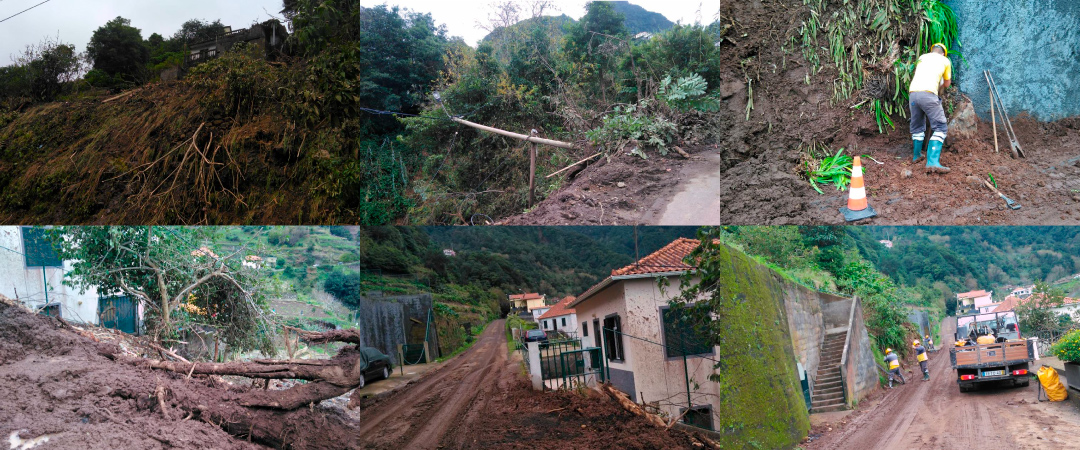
828,386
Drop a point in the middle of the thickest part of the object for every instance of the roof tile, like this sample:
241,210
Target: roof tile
559,309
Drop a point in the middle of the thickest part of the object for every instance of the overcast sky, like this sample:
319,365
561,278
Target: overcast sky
74,21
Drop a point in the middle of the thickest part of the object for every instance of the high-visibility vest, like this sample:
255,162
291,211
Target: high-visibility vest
893,364
921,357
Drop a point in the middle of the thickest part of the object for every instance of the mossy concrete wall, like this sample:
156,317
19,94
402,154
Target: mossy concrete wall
1032,48
860,368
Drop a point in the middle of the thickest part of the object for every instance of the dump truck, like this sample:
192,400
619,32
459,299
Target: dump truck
990,348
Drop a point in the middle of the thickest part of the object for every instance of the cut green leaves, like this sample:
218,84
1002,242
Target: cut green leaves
828,170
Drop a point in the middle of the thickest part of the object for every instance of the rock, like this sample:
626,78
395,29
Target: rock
964,122
1076,198
974,181
906,173
620,184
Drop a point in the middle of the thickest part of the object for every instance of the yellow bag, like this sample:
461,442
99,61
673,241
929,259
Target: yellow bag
1055,391
984,340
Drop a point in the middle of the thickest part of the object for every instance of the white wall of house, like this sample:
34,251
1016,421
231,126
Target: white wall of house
566,323
536,313
656,378
26,284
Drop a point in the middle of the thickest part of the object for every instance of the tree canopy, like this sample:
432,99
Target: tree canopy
117,48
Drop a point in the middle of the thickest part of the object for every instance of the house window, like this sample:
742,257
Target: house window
39,249
564,321
680,336
585,329
613,338
699,416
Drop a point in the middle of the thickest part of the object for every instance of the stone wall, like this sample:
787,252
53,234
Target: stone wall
1031,47
860,369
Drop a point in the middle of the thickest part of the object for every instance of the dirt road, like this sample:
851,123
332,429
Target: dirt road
428,413
934,415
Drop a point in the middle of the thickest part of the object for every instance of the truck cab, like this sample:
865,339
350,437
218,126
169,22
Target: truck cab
989,347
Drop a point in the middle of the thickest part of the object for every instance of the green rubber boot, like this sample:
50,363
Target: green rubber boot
933,156
918,150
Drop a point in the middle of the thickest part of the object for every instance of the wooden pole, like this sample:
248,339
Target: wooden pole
532,174
993,119
564,169
522,137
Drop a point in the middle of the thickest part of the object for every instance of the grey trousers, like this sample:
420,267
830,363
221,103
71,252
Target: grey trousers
922,365
926,105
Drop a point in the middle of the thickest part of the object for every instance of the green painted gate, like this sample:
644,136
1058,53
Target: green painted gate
119,313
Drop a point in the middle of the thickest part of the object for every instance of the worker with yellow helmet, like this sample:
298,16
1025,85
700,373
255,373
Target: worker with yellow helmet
893,362
920,354
933,73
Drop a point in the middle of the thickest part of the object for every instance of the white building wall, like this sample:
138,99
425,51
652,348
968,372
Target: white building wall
27,284
556,323
657,377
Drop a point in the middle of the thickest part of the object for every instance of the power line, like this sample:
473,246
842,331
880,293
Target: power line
25,10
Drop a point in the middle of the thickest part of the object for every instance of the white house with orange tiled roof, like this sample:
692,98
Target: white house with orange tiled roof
1070,306
975,301
560,317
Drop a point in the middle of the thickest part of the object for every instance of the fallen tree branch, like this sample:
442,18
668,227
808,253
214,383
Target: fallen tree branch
564,169
629,405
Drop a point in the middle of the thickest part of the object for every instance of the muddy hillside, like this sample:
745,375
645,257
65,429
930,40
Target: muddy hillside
73,390
754,173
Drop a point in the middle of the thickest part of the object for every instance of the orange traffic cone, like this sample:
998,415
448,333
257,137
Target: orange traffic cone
857,208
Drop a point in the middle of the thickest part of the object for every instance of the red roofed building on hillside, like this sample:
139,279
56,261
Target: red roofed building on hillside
560,317
1070,306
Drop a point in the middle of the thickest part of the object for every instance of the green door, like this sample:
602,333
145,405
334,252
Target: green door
118,313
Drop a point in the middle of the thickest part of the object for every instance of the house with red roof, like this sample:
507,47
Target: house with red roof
628,316
979,301
1070,306
561,317
528,301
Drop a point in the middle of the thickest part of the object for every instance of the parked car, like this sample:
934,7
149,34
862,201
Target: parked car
535,336
378,366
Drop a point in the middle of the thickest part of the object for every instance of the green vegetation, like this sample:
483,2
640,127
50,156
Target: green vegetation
735,307
820,168
1036,315
1068,347
843,35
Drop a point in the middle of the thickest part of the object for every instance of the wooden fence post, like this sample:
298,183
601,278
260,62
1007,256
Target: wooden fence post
532,174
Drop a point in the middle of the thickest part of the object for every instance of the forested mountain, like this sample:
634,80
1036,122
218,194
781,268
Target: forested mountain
970,257
554,261
639,19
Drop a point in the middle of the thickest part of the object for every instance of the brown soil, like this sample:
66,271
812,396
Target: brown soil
934,414
57,383
479,401
750,175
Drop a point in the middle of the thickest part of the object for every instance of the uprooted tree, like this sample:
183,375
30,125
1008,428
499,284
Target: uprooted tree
181,282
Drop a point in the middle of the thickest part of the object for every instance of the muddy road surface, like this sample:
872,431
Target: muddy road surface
435,410
935,415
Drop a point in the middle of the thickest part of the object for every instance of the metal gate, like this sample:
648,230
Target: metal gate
413,354
119,313
565,364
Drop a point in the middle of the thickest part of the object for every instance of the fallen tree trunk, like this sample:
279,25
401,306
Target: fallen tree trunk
329,377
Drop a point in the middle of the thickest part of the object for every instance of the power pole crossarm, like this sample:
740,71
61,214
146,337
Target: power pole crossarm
522,137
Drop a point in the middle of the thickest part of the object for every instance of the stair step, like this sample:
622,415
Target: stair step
829,408
834,396
826,384
828,391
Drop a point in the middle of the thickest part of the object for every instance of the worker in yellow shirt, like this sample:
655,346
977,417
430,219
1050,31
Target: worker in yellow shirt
920,354
893,362
933,73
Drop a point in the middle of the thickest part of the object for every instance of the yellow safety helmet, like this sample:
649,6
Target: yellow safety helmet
888,350
915,342
943,48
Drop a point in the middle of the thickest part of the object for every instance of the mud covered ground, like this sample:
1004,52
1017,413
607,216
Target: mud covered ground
57,385
935,414
751,174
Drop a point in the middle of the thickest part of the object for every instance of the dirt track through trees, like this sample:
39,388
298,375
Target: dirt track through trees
934,414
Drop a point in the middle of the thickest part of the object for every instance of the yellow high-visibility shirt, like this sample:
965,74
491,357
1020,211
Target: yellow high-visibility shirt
930,72
921,357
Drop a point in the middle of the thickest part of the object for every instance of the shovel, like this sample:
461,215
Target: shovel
1008,201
